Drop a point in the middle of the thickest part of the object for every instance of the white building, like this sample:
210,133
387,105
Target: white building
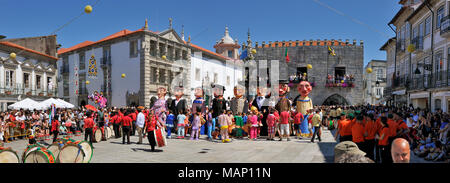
375,82
31,74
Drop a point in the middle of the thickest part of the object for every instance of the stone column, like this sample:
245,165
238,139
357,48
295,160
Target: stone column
144,95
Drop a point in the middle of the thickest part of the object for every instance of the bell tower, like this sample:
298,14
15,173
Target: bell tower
226,46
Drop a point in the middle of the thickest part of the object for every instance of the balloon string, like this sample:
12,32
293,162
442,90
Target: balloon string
58,29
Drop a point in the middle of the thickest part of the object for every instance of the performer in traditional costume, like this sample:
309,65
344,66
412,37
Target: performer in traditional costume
262,103
218,103
199,105
160,106
179,105
303,103
283,104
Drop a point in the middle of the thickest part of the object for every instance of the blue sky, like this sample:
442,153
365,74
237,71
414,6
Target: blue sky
205,20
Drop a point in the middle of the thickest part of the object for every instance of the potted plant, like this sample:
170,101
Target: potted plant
41,94
8,92
50,94
29,93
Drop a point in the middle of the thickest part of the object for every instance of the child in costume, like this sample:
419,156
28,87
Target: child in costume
224,122
181,125
169,123
195,125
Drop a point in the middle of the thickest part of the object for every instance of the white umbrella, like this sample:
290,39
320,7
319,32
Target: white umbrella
24,104
66,104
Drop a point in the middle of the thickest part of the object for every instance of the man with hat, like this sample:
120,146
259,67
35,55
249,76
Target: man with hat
346,148
283,104
262,103
218,103
178,105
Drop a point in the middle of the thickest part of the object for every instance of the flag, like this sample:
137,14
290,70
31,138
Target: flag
243,55
286,54
331,51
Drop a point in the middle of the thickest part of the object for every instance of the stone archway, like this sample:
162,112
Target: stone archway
335,99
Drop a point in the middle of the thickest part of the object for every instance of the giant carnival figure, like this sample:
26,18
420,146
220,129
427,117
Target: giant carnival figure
98,99
304,104
283,104
262,103
218,104
199,104
179,105
160,106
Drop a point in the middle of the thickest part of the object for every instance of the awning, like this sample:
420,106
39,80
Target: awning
400,92
419,95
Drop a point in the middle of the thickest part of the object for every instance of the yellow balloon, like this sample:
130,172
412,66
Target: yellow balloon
12,55
342,81
88,9
123,75
369,70
87,82
254,51
411,48
164,57
309,66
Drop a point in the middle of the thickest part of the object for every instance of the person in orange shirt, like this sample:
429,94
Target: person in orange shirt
403,129
383,140
358,132
370,130
344,129
393,128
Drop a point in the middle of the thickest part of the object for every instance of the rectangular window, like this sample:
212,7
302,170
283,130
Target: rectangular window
9,78
26,80
230,53
228,80
153,48
154,78
82,61
215,78
379,74
162,76
184,53
38,82
378,91
421,29
133,48
438,67
427,25
439,16
197,74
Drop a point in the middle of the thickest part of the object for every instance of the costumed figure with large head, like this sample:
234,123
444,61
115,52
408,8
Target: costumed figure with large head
218,103
303,104
283,104
179,105
262,102
159,107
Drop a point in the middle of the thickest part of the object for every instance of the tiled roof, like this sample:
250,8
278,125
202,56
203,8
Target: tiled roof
210,52
6,43
121,33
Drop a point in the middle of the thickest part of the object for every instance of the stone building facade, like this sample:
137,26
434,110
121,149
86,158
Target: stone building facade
348,60
375,82
146,59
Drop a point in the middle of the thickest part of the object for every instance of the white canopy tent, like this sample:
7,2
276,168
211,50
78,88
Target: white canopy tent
27,103
66,104
46,104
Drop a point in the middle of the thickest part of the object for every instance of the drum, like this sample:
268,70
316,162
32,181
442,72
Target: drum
97,135
87,150
29,149
113,134
7,155
55,148
160,137
107,132
71,153
77,133
39,155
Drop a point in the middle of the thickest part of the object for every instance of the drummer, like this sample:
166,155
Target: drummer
150,125
88,128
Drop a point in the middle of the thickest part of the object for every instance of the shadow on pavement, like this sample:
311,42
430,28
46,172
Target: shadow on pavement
146,150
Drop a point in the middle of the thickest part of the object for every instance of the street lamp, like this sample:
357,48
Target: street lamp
377,83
